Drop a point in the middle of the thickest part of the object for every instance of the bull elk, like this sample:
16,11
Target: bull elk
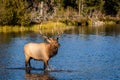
41,51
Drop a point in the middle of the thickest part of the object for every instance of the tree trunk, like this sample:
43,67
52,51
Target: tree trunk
41,10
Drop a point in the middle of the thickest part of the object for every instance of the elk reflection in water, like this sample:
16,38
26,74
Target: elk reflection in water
38,76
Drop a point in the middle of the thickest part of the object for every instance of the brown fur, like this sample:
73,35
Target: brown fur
41,51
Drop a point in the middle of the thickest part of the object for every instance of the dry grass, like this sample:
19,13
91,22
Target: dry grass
49,25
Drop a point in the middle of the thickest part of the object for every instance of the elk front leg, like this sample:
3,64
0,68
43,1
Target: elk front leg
46,65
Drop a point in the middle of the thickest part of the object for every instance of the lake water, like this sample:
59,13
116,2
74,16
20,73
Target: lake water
86,53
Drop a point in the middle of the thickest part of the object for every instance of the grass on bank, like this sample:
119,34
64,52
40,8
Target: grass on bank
48,25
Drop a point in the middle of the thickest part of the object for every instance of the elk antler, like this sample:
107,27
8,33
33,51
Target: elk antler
59,33
42,33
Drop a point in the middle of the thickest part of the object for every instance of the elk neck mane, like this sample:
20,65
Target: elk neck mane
53,50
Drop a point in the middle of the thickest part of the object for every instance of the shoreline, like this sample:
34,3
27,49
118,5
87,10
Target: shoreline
61,23
35,27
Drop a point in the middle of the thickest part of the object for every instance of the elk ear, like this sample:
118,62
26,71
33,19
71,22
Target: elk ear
57,38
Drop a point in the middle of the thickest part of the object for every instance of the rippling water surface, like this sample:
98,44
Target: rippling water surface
86,53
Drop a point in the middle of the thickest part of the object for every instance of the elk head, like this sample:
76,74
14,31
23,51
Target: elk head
53,41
